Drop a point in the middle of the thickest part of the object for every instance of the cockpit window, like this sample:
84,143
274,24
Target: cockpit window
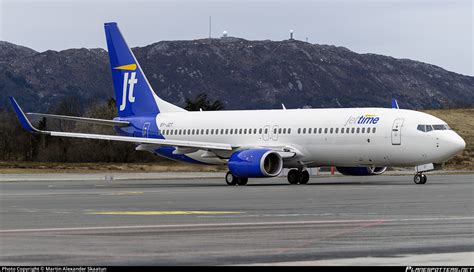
427,128
441,127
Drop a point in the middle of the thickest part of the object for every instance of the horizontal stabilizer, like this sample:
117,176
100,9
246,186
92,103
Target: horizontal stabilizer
82,119
138,140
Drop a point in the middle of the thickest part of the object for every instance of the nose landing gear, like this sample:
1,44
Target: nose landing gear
420,178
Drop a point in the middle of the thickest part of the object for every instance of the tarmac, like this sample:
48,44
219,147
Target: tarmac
192,219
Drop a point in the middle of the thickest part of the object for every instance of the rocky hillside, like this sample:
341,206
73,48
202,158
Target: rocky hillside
242,74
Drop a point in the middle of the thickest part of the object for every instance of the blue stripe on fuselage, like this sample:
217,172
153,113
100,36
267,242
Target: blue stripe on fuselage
136,130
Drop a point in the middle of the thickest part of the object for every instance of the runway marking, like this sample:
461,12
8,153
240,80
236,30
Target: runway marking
271,223
162,212
122,193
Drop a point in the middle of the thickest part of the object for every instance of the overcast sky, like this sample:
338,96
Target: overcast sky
432,31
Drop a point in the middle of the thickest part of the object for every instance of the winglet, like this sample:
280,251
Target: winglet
25,123
394,104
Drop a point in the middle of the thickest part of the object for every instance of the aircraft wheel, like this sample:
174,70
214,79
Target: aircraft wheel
418,178
423,179
231,179
293,176
242,181
304,177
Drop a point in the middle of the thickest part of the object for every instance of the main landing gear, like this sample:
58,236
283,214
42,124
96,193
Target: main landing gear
233,180
299,176
420,178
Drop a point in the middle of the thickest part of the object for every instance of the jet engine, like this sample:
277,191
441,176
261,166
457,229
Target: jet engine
255,163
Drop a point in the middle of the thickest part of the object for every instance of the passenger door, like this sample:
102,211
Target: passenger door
397,131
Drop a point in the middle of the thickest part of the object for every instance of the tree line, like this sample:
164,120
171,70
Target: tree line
17,144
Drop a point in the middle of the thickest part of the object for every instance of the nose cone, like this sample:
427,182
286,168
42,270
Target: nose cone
456,143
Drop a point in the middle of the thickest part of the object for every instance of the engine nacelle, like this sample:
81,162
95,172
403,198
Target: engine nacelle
255,163
361,171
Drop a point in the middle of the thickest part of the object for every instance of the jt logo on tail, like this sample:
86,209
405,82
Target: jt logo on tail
128,82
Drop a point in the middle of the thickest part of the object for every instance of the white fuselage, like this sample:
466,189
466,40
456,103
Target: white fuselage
316,135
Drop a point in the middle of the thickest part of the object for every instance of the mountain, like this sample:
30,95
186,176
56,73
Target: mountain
242,74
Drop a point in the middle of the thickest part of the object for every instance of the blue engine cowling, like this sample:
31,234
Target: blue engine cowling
255,163
361,171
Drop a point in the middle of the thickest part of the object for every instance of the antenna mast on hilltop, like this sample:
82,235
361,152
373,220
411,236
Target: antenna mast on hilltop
210,29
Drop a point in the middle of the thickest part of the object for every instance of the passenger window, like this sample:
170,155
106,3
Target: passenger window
342,130
245,131
337,130
289,130
259,131
368,130
320,130
266,130
284,131
304,130
373,130
352,130
357,130
309,130
254,131
299,130
326,131
279,131
363,130
331,130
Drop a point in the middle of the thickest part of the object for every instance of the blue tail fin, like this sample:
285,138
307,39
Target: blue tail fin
133,93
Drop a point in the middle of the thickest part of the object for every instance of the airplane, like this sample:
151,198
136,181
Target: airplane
261,143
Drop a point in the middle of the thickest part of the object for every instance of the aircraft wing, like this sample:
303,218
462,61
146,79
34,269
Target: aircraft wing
139,140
